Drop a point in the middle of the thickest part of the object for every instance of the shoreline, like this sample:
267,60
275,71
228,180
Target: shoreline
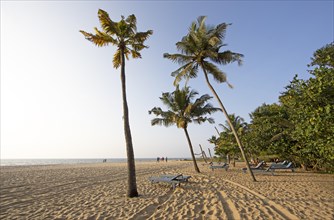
98,191
69,161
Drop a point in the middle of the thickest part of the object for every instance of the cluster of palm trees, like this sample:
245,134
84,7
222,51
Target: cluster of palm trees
199,50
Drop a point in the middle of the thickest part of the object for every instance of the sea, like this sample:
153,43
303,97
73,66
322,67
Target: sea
26,162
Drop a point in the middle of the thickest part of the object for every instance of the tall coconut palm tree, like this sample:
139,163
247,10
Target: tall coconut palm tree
182,111
124,36
200,48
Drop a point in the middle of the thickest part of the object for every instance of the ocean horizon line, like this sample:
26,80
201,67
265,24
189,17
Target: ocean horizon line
55,161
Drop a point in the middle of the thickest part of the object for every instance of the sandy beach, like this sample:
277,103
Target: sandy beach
97,191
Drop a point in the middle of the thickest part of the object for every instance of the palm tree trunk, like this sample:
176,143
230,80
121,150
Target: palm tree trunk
132,185
230,123
191,150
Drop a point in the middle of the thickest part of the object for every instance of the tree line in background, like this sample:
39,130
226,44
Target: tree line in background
299,128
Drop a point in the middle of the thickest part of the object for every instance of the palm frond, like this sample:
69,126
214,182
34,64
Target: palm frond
217,74
227,57
136,46
226,128
140,37
200,120
168,100
167,118
161,121
201,23
184,72
132,22
203,99
135,54
117,60
98,40
109,26
127,52
219,31
191,93
105,36
192,27
178,58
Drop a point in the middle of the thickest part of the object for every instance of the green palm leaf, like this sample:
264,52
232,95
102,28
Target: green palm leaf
107,24
98,40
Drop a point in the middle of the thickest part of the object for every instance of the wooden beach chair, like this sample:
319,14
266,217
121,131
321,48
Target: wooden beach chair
219,166
174,180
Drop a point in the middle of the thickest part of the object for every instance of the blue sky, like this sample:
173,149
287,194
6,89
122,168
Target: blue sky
61,97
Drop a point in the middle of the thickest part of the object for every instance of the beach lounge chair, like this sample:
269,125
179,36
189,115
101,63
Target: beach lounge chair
174,180
259,167
181,177
274,167
285,162
219,166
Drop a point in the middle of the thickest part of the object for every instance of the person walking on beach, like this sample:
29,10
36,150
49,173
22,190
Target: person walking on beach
158,158
166,159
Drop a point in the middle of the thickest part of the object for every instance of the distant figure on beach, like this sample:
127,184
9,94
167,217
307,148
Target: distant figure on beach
162,158
104,160
166,159
158,159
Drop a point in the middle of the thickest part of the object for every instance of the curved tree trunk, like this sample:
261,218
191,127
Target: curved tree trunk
132,184
230,123
191,150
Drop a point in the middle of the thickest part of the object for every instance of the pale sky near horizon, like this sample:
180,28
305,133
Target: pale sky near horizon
61,97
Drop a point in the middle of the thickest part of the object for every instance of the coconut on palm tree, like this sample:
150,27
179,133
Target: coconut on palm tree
129,42
182,111
201,49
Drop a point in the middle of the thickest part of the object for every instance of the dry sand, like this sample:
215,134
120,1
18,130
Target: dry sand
97,191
